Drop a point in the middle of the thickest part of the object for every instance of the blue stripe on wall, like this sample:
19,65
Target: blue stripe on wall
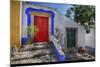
24,40
29,19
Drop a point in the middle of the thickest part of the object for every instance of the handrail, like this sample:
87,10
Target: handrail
57,49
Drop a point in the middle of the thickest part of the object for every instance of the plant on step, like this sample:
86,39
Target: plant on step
32,29
29,35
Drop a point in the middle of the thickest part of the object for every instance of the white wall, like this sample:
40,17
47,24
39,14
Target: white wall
90,39
24,22
60,22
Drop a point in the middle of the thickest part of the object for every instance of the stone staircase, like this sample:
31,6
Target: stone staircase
37,53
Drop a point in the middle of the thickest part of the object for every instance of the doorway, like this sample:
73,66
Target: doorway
42,24
71,37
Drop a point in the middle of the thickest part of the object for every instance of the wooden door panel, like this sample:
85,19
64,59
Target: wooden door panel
71,36
41,24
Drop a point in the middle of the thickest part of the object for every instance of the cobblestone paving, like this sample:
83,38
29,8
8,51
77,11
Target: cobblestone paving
33,54
73,55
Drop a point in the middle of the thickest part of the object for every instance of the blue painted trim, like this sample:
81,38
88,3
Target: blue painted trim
28,20
24,40
57,54
52,25
28,10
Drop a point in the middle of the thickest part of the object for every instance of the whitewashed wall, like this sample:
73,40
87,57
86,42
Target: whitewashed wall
24,21
60,22
67,23
90,38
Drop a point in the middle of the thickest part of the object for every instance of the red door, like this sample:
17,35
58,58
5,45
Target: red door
41,23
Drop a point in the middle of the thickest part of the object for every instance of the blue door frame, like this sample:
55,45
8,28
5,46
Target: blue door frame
24,40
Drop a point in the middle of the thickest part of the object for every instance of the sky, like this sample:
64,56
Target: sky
59,6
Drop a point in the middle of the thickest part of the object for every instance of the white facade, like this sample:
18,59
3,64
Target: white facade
61,22
90,38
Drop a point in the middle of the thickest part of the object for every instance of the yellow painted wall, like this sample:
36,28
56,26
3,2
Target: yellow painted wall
15,23
41,14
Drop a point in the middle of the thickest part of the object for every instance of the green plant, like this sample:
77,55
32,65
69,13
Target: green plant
84,15
30,34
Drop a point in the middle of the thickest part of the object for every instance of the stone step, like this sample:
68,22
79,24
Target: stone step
33,54
28,54
35,47
26,61
45,58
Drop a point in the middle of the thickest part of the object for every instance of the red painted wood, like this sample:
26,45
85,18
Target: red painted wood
41,23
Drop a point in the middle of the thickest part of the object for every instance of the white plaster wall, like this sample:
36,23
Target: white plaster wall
60,22
90,38
63,23
24,22
81,36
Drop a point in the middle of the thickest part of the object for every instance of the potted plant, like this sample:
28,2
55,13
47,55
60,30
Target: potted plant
32,29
